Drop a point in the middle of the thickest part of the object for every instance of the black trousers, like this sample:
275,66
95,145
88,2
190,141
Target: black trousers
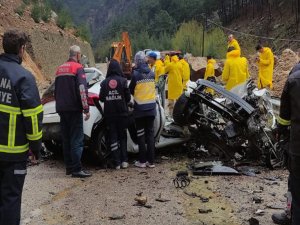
118,138
145,135
12,177
294,185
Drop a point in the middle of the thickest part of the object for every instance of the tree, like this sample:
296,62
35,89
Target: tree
189,38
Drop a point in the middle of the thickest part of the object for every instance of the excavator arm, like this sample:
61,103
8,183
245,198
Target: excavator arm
123,54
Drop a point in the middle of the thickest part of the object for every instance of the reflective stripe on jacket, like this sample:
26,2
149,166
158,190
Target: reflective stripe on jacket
290,108
21,112
142,87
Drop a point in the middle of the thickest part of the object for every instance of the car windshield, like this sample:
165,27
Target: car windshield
91,75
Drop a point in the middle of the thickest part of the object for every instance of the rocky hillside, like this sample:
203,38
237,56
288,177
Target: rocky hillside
48,45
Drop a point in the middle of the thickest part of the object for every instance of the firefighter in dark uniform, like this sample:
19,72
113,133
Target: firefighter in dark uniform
71,101
290,116
115,94
21,115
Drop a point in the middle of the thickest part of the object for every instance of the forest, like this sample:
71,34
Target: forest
178,24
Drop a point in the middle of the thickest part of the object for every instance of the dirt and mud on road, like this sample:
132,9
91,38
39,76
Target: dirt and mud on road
52,198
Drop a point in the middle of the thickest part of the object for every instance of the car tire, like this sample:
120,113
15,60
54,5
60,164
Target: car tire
179,112
100,148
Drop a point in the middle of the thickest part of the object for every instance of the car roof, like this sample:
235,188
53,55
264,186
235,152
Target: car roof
92,69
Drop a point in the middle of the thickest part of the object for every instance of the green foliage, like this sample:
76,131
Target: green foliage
41,11
36,13
26,2
64,19
84,32
20,9
215,44
46,12
189,38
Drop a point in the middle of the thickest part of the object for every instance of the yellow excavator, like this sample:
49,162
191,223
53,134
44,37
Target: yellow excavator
121,51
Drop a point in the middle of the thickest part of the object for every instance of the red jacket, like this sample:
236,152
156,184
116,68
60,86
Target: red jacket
71,88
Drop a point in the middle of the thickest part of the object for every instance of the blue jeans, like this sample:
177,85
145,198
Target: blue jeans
72,134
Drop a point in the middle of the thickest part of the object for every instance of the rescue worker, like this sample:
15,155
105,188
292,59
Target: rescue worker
156,65
284,217
265,62
115,94
175,86
71,101
235,70
210,68
186,72
289,116
233,43
142,87
210,73
21,115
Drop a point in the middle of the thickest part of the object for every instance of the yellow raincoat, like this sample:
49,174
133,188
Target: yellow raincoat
186,72
235,44
210,69
158,68
175,87
235,71
210,72
265,69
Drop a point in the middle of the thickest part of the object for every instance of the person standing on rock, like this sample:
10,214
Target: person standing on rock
142,87
265,62
21,115
71,101
115,94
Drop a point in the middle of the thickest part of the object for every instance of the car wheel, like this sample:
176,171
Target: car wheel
54,147
100,148
179,112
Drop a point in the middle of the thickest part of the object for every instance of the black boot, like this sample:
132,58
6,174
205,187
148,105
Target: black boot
281,218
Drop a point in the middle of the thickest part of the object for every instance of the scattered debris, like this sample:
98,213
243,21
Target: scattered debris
145,206
260,212
165,158
204,199
140,199
117,217
182,180
248,171
204,211
253,221
160,199
276,207
192,194
216,170
257,200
